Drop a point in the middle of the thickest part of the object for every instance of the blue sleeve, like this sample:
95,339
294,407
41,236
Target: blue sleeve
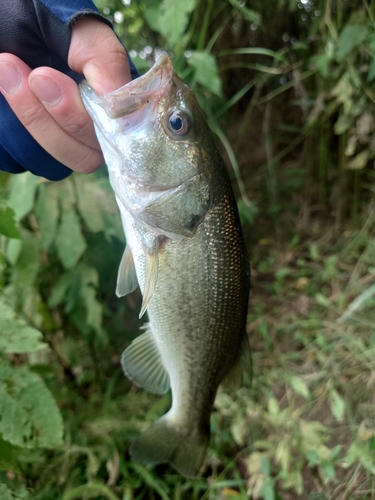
38,32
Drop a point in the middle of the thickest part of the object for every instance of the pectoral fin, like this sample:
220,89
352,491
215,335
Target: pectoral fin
142,363
126,278
233,380
151,277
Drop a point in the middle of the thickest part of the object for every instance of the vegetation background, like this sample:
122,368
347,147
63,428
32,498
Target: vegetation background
289,88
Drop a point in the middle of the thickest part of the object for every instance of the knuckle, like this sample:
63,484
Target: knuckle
76,125
34,117
88,163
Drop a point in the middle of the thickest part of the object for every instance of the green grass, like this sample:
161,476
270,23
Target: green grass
300,123
303,429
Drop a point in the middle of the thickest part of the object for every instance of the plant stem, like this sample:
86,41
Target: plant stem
206,20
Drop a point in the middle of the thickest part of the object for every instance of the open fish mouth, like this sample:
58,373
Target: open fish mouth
134,95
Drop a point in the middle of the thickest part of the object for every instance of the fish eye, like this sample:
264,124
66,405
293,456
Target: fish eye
178,123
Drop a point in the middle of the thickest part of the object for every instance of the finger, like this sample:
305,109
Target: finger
38,121
96,52
60,96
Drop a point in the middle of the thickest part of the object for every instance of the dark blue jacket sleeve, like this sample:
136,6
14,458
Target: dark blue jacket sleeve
38,32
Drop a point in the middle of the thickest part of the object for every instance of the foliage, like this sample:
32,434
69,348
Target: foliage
289,91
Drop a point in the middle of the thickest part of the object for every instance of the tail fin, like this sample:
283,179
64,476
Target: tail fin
162,442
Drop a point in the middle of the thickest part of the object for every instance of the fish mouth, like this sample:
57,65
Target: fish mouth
134,95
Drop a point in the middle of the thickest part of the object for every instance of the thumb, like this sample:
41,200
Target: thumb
96,52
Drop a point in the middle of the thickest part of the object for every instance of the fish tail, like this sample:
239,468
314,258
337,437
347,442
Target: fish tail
164,442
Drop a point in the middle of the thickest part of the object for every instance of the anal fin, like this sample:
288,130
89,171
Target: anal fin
126,278
142,364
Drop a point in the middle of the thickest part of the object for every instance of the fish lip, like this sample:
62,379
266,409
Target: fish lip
129,98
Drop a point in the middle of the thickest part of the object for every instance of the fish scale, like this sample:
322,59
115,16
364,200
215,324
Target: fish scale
186,251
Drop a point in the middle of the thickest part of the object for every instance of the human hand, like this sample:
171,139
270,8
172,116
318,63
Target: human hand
47,102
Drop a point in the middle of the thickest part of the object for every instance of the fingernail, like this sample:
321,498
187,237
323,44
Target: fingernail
46,90
9,77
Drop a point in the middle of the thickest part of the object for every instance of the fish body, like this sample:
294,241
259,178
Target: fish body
186,252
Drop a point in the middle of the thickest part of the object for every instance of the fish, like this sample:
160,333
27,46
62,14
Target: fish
184,249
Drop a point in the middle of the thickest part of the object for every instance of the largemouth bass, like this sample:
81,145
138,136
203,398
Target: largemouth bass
186,251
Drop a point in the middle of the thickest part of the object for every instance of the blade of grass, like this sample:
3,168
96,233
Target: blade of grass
233,160
253,51
271,173
357,303
218,32
284,87
90,490
234,99
257,67
205,24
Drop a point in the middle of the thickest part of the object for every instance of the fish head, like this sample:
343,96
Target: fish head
156,145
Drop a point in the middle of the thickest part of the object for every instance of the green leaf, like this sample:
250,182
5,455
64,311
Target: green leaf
300,387
89,198
5,493
77,289
314,251
22,193
170,19
359,161
337,404
93,309
26,264
66,194
344,90
322,62
293,480
313,457
15,336
322,300
267,491
206,70
8,456
59,290
328,469
351,37
29,415
266,466
8,224
19,494
360,453
273,406
70,243
238,429
342,124
47,213
13,250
